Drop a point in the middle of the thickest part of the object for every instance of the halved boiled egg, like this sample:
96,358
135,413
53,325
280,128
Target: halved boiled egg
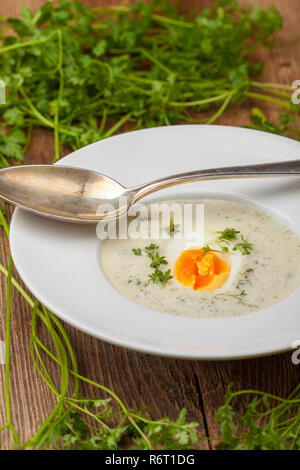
201,270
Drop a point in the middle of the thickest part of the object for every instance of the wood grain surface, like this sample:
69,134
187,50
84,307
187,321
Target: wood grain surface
163,385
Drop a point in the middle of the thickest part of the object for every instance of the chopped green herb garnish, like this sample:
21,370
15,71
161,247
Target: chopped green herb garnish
206,249
227,235
157,260
245,247
239,297
157,276
160,276
171,228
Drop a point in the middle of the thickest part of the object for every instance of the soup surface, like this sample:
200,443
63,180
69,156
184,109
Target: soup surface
248,261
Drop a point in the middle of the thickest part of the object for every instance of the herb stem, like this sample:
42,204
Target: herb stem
269,99
272,85
159,18
14,434
199,102
35,112
221,109
118,124
23,44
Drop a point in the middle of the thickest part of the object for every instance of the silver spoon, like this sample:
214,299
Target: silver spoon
74,194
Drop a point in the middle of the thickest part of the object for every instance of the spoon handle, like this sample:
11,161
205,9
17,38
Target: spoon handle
263,170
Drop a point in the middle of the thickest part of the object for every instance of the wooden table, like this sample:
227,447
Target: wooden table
163,385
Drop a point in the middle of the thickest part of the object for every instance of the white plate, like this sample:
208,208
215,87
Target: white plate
59,262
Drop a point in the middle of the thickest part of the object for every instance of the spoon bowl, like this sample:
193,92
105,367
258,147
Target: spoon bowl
63,193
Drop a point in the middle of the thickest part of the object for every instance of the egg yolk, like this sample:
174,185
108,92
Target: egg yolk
201,271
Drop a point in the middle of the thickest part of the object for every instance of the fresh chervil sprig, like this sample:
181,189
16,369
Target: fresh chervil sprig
239,297
172,227
160,276
245,247
227,235
206,249
232,237
157,260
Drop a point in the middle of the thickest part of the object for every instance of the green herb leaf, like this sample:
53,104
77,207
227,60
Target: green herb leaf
245,247
157,260
228,234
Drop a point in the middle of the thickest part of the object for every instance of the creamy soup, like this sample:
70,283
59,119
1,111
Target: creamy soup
250,262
